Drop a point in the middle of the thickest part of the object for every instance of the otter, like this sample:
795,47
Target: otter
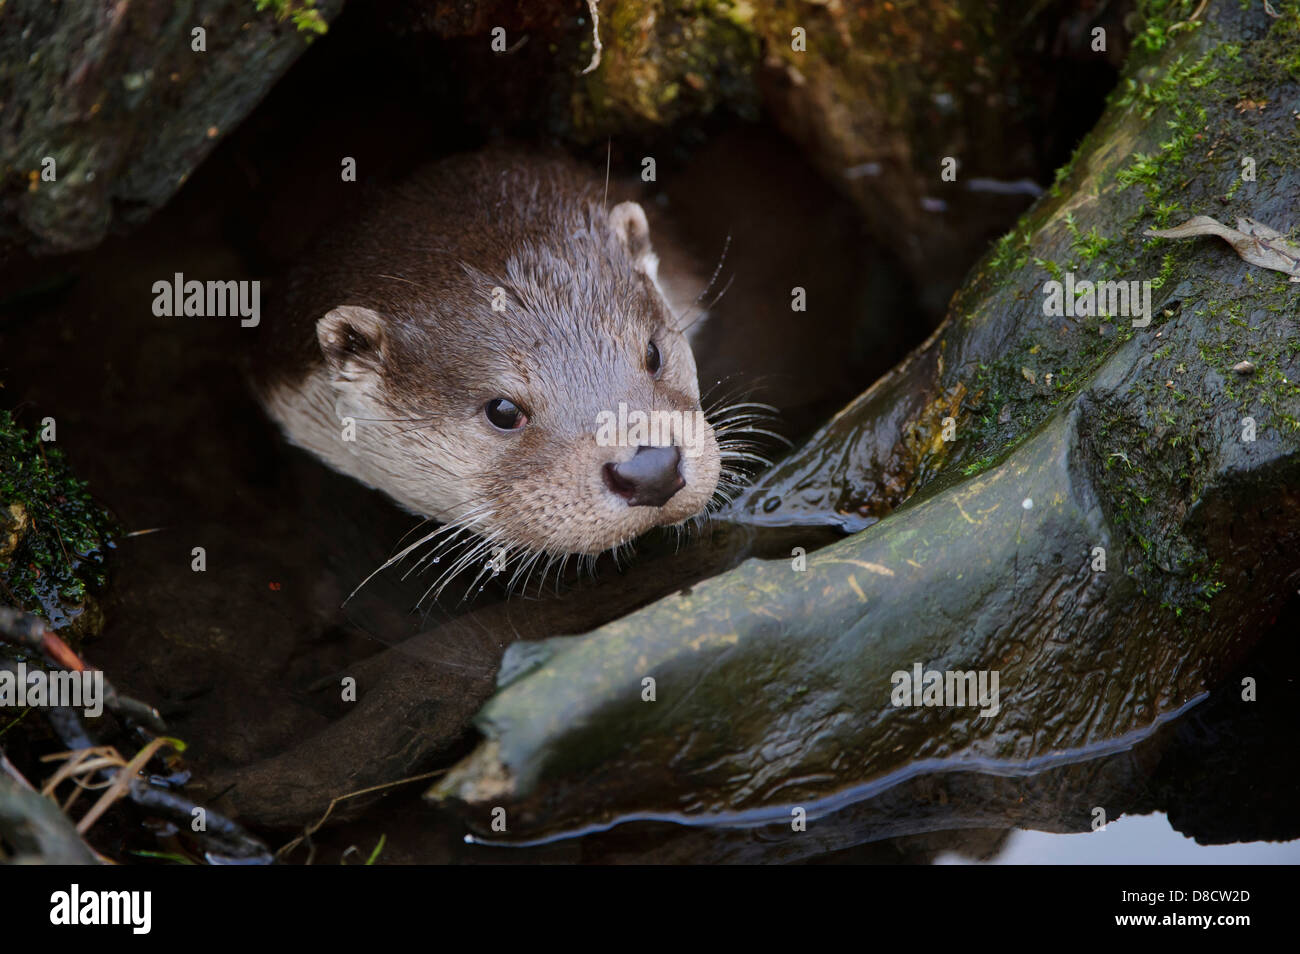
458,345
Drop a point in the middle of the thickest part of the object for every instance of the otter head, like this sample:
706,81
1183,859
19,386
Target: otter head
548,402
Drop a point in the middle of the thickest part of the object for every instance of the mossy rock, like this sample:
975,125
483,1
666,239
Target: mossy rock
53,536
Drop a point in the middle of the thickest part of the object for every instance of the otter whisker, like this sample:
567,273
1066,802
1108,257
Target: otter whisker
558,561
739,429
713,304
766,410
726,245
734,413
740,445
442,549
709,287
525,570
415,529
477,548
398,557
453,536
731,416
766,433
754,458
717,407
738,390
731,485
738,386
740,438
395,420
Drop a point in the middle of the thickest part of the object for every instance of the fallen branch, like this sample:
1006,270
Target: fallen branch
97,767
30,632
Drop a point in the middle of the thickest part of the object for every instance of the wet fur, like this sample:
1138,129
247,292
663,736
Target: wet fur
390,322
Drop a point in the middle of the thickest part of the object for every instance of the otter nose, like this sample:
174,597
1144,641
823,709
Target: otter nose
649,479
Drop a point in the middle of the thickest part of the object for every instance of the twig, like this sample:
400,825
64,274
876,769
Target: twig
595,36
220,835
30,632
230,838
82,762
312,829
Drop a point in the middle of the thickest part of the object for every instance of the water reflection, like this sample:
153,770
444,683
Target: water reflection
1135,840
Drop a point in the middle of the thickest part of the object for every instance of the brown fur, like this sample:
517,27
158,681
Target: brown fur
391,322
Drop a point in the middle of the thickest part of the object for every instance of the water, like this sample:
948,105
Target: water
1140,840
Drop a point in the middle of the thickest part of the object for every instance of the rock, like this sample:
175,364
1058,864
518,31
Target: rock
115,103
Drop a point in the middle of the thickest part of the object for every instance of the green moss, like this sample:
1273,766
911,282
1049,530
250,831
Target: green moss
1088,246
1086,145
1162,90
1050,267
1175,79
1007,404
301,13
1143,169
1162,21
1153,171
52,534
1009,255
1012,252
1280,51
1171,439
667,59
1160,439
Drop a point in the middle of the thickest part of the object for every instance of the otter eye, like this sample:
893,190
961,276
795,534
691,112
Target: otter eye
653,363
505,415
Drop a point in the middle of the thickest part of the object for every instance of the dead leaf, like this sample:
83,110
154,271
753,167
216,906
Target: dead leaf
1254,241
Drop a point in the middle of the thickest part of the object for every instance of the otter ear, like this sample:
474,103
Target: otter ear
633,230
351,338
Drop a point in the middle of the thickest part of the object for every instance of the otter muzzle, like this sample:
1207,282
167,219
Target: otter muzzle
649,479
